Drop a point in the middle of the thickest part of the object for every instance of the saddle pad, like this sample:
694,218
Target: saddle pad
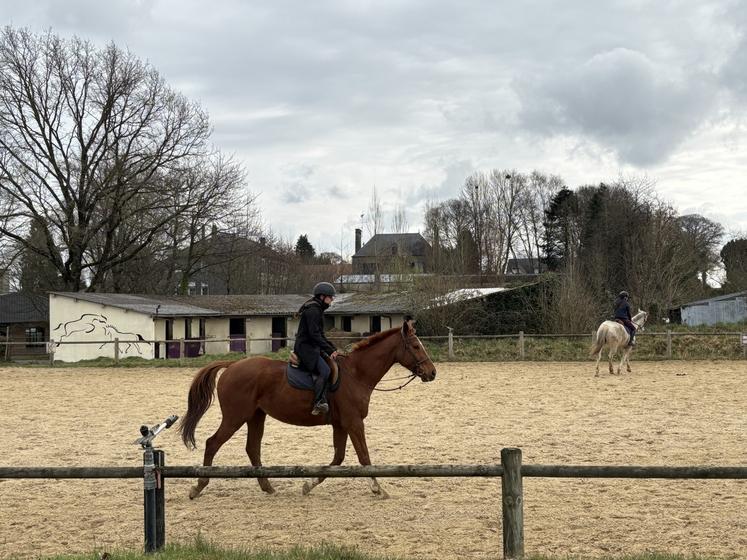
299,378
302,379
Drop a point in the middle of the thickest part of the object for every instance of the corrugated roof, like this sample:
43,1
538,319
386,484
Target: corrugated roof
20,307
464,294
717,298
381,245
148,305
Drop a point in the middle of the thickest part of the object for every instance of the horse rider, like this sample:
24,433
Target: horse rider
622,314
312,345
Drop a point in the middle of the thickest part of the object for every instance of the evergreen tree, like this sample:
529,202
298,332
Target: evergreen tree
734,255
561,230
38,274
304,249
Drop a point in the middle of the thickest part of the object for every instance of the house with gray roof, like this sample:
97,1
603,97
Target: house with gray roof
393,253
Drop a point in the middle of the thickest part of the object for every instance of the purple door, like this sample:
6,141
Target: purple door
238,343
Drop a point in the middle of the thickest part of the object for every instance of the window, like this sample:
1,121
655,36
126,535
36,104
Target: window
34,335
4,331
188,327
347,324
204,289
375,323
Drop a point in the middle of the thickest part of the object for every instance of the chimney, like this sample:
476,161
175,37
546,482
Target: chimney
358,234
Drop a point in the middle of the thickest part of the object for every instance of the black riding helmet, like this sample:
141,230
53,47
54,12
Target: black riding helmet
324,289
623,294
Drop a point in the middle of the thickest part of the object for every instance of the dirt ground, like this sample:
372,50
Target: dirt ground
665,413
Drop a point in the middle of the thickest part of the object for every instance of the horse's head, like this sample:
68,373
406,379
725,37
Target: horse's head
412,354
640,318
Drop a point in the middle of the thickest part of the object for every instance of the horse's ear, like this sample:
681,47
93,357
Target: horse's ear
408,327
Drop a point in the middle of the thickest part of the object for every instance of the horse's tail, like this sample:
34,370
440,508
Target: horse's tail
599,341
199,400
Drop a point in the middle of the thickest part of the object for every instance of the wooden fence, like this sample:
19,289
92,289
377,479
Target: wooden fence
519,351
510,470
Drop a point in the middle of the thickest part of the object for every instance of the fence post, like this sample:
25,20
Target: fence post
248,345
744,345
116,351
159,459
50,348
181,350
669,344
513,504
149,499
521,345
451,343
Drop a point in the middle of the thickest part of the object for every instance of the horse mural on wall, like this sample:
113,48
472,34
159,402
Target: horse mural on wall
88,323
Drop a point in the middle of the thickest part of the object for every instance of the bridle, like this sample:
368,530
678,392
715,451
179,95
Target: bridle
415,371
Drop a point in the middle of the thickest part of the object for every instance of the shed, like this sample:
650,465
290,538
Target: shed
729,308
24,325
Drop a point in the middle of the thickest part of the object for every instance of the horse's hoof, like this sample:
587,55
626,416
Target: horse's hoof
306,488
382,494
193,492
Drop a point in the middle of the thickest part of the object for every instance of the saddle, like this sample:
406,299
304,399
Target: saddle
300,378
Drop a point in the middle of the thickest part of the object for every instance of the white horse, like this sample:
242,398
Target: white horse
614,336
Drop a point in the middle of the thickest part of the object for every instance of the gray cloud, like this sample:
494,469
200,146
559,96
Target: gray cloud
623,101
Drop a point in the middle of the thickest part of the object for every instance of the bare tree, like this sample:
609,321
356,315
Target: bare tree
374,217
534,200
89,141
399,219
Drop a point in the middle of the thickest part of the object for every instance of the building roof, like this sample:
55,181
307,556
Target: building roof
244,305
371,278
525,266
251,304
374,303
464,294
406,244
717,298
148,305
21,307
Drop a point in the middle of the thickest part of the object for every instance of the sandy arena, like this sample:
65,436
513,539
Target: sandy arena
668,413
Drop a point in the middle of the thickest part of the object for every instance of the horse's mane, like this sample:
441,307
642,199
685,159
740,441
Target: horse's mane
373,339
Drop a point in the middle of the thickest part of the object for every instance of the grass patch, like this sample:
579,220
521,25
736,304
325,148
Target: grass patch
202,550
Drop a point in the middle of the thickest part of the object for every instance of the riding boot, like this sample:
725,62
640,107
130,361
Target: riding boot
320,396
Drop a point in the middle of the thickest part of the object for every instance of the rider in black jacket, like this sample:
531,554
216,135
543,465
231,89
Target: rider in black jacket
311,342
622,312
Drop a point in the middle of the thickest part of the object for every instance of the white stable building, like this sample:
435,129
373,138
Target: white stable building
86,325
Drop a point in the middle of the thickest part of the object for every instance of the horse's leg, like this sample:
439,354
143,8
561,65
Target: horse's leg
340,441
212,445
628,350
609,359
357,434
255,431
623,355
599,357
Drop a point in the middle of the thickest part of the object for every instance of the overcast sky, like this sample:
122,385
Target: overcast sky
323,100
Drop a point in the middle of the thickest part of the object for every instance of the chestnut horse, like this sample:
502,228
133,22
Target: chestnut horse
252,388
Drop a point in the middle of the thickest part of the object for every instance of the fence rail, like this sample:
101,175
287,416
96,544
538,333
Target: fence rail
510,470
525,343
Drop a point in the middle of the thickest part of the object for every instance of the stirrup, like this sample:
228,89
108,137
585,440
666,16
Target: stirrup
320,408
